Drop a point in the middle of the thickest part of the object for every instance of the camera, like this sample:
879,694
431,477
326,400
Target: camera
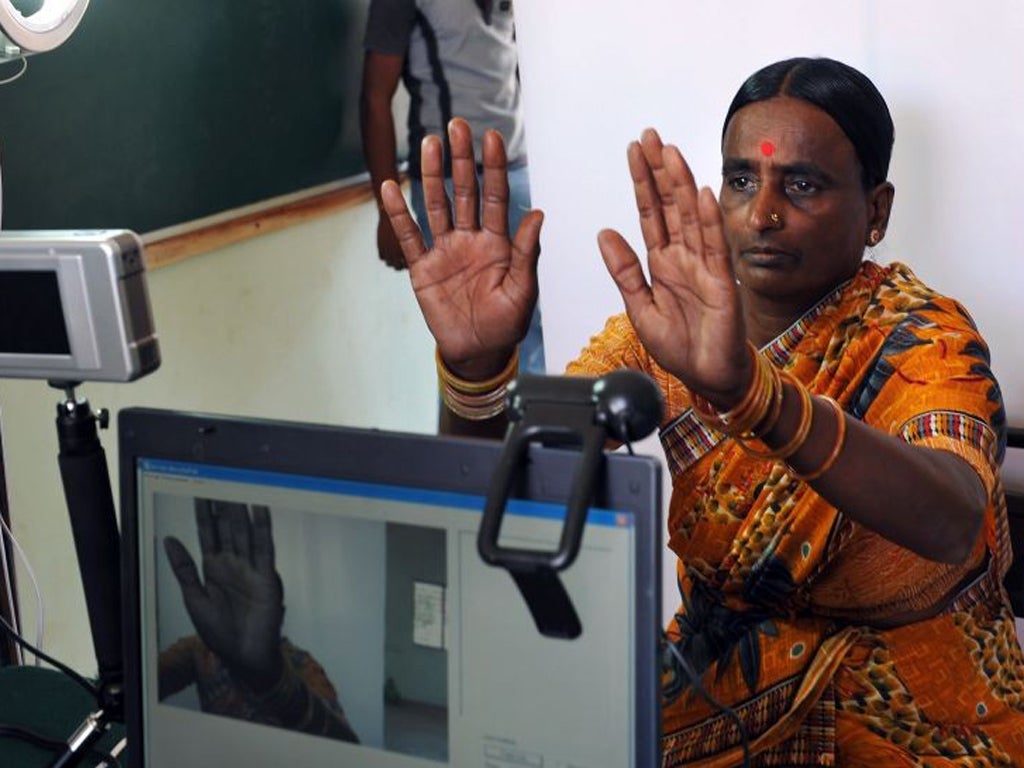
74,306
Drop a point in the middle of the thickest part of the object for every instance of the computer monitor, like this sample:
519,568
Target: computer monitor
433,655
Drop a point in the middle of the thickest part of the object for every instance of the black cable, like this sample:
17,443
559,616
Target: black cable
93,691
44,742
728,711
33,738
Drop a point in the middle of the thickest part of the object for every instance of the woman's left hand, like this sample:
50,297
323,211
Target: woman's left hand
689,316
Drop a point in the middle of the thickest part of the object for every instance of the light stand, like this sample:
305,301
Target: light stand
83,470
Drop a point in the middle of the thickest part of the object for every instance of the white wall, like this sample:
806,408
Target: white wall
596,74
304,324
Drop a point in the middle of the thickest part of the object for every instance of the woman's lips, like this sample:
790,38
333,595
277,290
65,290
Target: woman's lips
766,257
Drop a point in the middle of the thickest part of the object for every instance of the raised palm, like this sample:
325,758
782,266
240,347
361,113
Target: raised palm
476,287
688,315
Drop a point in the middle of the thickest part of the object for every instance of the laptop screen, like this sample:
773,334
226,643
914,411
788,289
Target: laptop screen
350,557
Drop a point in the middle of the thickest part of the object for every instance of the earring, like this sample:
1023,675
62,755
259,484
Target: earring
874,237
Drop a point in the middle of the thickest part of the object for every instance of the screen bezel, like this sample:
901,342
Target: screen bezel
629,483
73,286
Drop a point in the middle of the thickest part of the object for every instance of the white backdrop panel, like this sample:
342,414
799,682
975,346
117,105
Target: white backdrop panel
596,74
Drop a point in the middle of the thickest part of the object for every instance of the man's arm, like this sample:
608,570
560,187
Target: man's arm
381,75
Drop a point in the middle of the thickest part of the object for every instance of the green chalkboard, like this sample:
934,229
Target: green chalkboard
159,112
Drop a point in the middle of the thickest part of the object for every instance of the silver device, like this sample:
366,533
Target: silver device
74,306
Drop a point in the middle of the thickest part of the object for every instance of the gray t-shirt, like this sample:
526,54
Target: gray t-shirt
460,61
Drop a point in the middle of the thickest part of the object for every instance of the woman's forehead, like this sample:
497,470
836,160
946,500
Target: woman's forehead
785,129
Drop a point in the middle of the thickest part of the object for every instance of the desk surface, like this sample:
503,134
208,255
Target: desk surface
49,704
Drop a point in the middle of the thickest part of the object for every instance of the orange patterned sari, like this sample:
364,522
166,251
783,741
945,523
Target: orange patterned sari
834,645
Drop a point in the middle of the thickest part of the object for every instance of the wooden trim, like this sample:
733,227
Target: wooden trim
169,246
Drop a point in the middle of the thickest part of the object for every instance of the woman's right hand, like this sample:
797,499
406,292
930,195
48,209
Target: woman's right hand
476,287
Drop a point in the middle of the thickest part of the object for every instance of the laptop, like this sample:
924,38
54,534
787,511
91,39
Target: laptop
393,626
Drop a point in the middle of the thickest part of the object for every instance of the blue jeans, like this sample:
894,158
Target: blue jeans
531,349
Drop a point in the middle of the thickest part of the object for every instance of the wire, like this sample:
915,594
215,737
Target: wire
695,682
40,617
19,73
5,572
49,659
8,532
33,738
44,742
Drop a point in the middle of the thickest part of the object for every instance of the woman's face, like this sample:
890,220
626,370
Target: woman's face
796,214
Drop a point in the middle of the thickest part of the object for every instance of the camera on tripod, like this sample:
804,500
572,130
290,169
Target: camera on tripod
74,306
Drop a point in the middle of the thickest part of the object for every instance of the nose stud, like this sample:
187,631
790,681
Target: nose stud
774,218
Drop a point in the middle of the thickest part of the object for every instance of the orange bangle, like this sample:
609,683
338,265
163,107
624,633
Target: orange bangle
775,410
802,431
753,408
837,448
476,387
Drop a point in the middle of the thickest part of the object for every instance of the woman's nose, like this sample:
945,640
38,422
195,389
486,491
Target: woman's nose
766,210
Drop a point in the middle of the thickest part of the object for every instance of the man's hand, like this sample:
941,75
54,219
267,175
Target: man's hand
237,608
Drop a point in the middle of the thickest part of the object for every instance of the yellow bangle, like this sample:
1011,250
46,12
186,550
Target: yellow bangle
476,387
837,447
475,400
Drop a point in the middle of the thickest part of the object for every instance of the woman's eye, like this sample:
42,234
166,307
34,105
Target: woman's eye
740,183
803,186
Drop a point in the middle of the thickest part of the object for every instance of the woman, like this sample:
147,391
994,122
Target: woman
833,431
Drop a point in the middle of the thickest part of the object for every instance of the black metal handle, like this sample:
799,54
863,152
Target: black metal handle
561,411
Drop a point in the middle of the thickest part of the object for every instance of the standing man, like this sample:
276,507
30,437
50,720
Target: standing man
457,58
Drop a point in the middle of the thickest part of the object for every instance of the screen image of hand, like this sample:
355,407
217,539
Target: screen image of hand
237,605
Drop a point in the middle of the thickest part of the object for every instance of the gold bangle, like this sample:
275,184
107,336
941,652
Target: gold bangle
837,448
802,431
775,411
722,421
474,407
475,400
754,407
475,411
477,387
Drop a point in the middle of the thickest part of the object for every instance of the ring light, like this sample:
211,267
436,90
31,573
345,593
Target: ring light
36,26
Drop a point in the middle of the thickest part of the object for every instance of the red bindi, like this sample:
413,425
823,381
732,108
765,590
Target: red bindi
767,148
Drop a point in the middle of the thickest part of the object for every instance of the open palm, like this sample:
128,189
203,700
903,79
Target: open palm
476,287
689,315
